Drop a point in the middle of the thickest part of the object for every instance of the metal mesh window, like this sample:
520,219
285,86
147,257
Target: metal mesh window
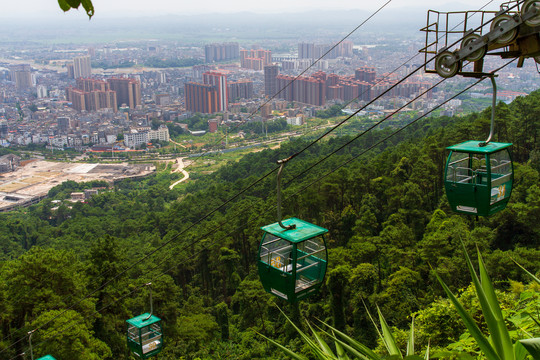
277,253
501,175
310,263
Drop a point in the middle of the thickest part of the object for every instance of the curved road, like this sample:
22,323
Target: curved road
180,168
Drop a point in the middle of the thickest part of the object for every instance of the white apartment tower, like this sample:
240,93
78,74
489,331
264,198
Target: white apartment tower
82,67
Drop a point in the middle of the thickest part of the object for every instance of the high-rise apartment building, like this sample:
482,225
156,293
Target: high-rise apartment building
330,51
64,124
307,90
270,82
306,50
201,98
92,84
92,95
70,70
242,89
128,91
255,59
82,67
21,75
4,129
221,52
219,81
367,74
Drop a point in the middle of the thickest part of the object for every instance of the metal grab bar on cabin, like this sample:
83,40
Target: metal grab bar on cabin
308,255
272,241
307,267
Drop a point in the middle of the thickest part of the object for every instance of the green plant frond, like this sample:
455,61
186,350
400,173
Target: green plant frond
322,344
519,351
413,357
388,338
342,355
350,343
527,271
410,341
293,355
305,337
482,341
426,356
355,352
372,320
532,346
497,326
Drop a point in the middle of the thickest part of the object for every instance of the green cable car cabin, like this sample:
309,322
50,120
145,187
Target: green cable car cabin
479,177
46,357
292,260
144,335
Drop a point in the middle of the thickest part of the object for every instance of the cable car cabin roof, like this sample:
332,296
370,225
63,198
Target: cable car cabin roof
139,321
46,357
473,146
303,231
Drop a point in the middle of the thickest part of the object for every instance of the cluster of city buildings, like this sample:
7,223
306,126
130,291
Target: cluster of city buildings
71,102
96,94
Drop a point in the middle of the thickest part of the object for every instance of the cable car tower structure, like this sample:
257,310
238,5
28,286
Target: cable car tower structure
512,33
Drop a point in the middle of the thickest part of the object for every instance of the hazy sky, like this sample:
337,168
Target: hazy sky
119,8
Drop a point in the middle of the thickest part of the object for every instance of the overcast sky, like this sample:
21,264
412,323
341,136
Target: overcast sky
119,8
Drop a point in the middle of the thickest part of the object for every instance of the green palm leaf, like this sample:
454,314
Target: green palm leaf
285,350
388,337
483,343
355,347
410,342
530,274
492,312
532,346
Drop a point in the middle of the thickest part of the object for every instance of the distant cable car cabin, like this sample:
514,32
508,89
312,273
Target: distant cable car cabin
46,357
292,256
292,262
479,179
144,333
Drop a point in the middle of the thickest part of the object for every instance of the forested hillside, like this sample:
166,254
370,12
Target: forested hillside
78,273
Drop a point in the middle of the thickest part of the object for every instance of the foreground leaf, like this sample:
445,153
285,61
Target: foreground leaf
388,337
532,346
527,271
483,343
492,310
287,351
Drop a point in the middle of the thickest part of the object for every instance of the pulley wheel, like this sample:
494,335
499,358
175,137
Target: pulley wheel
442,64
478,54
507,37
527,5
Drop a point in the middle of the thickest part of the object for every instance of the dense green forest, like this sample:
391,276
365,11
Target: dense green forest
78,273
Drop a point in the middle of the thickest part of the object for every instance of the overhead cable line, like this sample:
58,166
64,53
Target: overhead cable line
232,198
193,256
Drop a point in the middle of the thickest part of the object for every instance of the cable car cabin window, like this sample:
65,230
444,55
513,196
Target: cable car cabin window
501,175
466,168
311,263
277,252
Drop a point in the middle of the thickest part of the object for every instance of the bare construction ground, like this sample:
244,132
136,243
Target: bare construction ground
33,181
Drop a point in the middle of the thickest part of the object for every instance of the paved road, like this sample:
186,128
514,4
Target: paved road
180,168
